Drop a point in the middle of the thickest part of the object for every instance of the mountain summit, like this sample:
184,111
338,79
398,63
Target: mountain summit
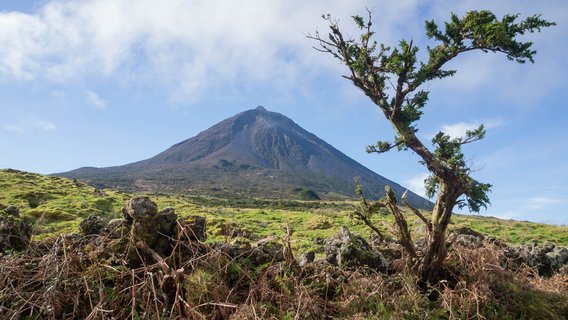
254,153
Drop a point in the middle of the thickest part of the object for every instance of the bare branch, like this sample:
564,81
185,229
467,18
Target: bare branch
404,234
369,224
416,212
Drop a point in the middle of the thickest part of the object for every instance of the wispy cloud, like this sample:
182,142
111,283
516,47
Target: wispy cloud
187,46
93,99
459,129
27,125
416,184
183,46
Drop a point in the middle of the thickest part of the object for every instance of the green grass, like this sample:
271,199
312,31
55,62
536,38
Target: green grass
57,205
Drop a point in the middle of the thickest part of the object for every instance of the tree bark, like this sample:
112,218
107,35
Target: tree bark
436,252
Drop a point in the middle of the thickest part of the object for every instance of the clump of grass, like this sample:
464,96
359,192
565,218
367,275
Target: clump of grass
319,222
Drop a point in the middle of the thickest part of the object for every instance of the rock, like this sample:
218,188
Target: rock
236,249
307,258
139,207
12,210
195,227
267,250
15,234
557,258
116,228
154,229
145,232
547,259
469,241
92,225
348,250
563,270
319,241
496,242
232,230
99,193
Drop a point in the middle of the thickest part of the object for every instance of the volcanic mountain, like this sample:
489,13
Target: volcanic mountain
256,153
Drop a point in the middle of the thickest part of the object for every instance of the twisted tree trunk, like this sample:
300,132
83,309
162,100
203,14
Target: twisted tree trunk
436,252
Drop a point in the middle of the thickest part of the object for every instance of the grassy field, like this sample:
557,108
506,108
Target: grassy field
56,205
70,271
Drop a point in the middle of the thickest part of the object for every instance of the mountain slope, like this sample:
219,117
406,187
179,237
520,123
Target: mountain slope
254,153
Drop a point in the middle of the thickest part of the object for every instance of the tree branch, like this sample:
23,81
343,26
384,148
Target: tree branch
417,212
404,234
369,224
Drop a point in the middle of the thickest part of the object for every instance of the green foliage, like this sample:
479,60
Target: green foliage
482,30
392,78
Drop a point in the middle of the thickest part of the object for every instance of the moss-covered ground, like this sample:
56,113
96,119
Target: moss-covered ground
56,205
55,277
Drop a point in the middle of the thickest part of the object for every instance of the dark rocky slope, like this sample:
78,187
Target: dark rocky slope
254,153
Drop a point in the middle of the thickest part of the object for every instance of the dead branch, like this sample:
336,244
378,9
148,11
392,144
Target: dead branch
404,234
417,212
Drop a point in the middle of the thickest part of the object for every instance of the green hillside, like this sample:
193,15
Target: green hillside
56,205
118,275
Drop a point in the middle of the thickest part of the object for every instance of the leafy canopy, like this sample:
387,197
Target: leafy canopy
392,78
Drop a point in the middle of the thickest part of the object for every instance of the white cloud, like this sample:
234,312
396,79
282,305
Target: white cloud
459,129
93,99
416,184
26,125
188,46
182,46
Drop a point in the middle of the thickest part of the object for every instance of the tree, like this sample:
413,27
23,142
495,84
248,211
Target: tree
393,79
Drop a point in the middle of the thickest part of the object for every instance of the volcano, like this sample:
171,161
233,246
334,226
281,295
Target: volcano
256,153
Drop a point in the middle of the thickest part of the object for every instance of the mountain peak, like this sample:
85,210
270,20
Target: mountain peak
254,153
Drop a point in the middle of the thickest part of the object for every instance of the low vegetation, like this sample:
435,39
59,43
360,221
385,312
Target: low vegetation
66,202
63,275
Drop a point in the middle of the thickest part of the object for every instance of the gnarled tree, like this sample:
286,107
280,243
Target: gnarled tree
393,79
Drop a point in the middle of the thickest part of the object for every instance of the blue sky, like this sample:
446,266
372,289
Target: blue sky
108,82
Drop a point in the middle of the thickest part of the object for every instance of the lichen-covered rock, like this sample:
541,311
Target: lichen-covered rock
12,210
155,229
467,237
547,259
15,234
92,225
117,228
307,258
236,249
139,207
232,230
267,250
346,249
557,258
143,233
469,241
468,231
195,227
